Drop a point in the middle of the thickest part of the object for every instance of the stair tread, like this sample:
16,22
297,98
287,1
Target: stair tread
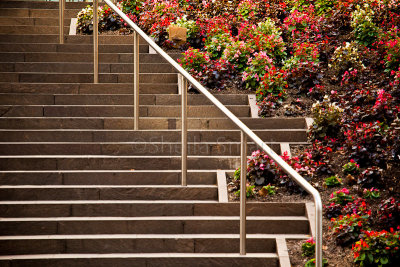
154,236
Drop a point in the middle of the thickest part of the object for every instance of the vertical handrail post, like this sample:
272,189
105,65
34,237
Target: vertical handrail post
136,80
243,179
61,18
184,144
95,42
318,233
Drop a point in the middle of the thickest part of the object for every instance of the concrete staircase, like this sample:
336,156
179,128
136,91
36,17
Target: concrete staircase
79,187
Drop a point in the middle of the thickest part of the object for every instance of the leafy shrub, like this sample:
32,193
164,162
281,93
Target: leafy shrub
366,142
258,66
217,44
249,191
311,263
194,60
236,174
247,10
267,190
272,83
389,213
365,30
371,193
333,210
392,58
238,54
308,248
346,58
303,24
157,16
348,228
377,248
333,181
327,117
351,168
85,20
261,169
372,176
341,197
268,105
358,206
131,6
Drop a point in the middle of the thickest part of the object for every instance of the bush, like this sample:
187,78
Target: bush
267,190
365,31
341,197
238,54
85,20
389,213
351,168
308,248
327,119
372,176
258,66
215,45
392,58
333,181
346,58
371,193
272,83
377,248
348,228
268,105
261,169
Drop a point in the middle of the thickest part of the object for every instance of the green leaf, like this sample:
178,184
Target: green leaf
370,257
384,260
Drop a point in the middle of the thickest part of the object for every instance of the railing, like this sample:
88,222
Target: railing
184,78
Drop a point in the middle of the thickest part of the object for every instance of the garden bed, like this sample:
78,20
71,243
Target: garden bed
336,61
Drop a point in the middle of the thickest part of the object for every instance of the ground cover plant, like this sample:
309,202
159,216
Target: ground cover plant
336,61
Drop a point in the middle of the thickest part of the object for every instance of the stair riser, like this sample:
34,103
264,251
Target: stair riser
146,136
144,123
84,68
150,209
152,227
115,111
37,13
72,48
153,261
86,78
41,5
26,21
18,29
54,56
88,88
106,178
82,163
128,245
154,99
127,150
109,193
68,39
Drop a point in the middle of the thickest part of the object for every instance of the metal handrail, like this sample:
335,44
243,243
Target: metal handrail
245,131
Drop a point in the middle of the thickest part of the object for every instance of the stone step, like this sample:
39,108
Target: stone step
72,48
108,192
95,111
75,67
87,88
42,77
107,177
153,225
128,149
103,208
270,136
30,29
71,39
144,259
37,13
146,123
24,245
116,99
92,162
55,56
27,21
41,4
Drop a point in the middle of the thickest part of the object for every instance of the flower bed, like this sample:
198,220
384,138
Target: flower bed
336,61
